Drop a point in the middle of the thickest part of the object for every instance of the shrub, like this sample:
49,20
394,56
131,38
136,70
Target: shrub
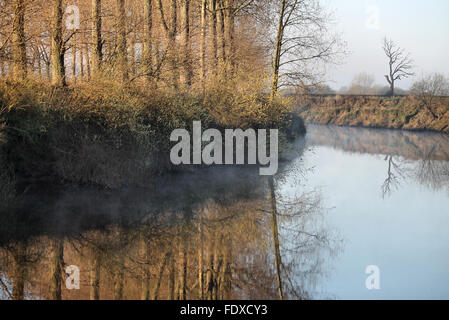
109,135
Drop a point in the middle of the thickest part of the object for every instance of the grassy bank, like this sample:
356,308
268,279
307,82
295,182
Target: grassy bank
408,112
108,135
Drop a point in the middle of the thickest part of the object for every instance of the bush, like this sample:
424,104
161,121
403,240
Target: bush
108,135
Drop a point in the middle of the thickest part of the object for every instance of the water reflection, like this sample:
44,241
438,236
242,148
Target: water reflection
405,232
407,144
206,234
422,156
227,233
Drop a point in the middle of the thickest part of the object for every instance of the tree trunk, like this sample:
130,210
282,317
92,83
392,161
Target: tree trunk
147,54
37,57
18,289
210,270
19,48
118,282
218,261
277,56
48,70
226,285
132,47
74,60
186,76
81,62
145,295
213,36
182,277
171,277
174,29
88,71
57,50
170,34
122,54
200,260
97,45
94,274
274,227
159,278
203,44
56,263
221,39
229,34
2,64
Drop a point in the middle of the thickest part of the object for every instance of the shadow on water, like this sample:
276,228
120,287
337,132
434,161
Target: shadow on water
203,234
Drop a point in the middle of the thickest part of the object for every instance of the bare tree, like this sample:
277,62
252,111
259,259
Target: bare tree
170,30
97,44
400,63
147,55
275,232
19,52
203,43
428,88
56,266
94,275
187,75
213,46
122,54
57,46
396,171
303,43
362,84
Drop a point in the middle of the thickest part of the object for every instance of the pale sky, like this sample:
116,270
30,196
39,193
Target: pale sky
420,27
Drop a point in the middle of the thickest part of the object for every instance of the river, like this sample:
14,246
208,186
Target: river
387,193
347,199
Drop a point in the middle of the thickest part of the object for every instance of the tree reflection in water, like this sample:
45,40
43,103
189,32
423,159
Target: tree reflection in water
433,174
200,235
423,156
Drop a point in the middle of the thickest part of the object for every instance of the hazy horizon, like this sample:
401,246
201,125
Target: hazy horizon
418,27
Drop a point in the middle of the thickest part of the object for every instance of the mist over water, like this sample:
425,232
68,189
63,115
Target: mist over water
346,198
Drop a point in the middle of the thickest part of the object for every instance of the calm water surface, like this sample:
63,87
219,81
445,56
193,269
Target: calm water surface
347,198
387,193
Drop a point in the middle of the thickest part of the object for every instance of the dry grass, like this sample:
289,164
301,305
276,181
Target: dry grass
108,135
407,112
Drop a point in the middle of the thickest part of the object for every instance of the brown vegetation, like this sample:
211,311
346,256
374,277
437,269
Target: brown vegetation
109,135
406,112
199,235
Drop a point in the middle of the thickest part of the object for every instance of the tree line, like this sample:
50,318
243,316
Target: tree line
166,43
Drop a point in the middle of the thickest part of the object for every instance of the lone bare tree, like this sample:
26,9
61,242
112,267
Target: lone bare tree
400,63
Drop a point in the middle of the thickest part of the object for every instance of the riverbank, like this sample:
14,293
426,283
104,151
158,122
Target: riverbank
410,145
406,112
109,135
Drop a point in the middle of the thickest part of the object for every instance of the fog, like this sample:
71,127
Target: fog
420,27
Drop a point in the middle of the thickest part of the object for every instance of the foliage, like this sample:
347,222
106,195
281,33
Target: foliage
380,112
106,134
